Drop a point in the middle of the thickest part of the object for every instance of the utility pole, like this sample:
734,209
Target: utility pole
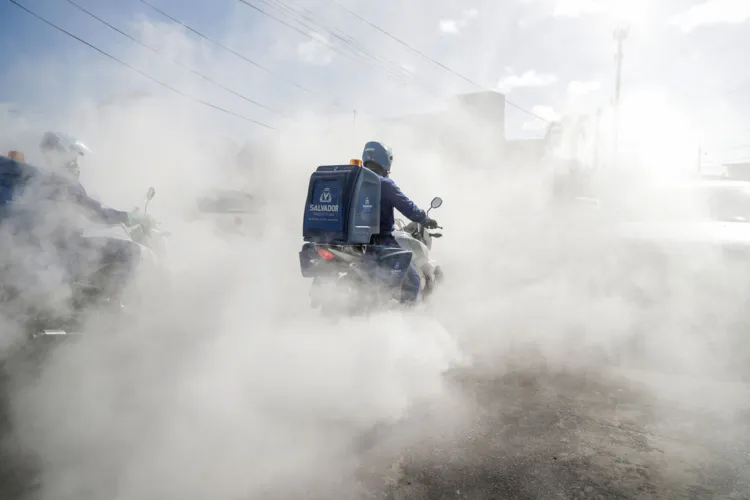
597,124
620,35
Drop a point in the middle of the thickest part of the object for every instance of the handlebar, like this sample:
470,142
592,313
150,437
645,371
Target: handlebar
147,229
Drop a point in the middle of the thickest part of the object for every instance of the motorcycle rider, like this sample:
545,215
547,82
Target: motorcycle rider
52,205
378,157
62,154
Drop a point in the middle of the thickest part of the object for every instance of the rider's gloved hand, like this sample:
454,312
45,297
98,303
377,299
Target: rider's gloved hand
430,223
137,218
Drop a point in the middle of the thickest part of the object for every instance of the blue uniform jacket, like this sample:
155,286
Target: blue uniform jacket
392,197
105,214
36,186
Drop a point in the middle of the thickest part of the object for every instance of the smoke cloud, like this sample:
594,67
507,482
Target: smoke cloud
223,382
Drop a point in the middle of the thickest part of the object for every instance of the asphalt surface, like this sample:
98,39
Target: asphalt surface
572,435
540,434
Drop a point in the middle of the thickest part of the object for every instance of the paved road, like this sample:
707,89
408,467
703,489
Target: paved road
572,436
539,435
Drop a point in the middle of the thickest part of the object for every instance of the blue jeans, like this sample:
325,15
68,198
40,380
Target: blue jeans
410,285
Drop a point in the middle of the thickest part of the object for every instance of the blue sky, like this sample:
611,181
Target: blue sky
550,56
26,38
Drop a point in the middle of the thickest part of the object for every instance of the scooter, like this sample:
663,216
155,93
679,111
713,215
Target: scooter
358,279
415,237
136,249
99,289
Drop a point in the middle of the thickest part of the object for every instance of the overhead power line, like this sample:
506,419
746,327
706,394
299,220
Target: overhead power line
205,37
348,41
428,58
255,7
106,54
175,61
335,103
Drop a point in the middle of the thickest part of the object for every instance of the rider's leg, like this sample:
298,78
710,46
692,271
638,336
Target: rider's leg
410,286
119,258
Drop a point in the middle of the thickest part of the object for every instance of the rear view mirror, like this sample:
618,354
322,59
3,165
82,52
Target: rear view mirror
436,202
149,196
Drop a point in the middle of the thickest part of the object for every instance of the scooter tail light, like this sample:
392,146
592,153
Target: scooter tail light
326,254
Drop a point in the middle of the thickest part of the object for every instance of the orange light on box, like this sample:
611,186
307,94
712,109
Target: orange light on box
355,161
16,155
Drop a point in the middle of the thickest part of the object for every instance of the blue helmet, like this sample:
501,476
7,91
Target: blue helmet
378,154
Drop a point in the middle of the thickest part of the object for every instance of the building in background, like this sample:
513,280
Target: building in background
469,126
486,109
525,150
739,170
465,125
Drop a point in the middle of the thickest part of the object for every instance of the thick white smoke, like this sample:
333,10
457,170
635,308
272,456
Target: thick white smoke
229,386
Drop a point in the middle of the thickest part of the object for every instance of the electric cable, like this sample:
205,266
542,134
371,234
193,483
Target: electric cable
159,82
175,61
428,58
